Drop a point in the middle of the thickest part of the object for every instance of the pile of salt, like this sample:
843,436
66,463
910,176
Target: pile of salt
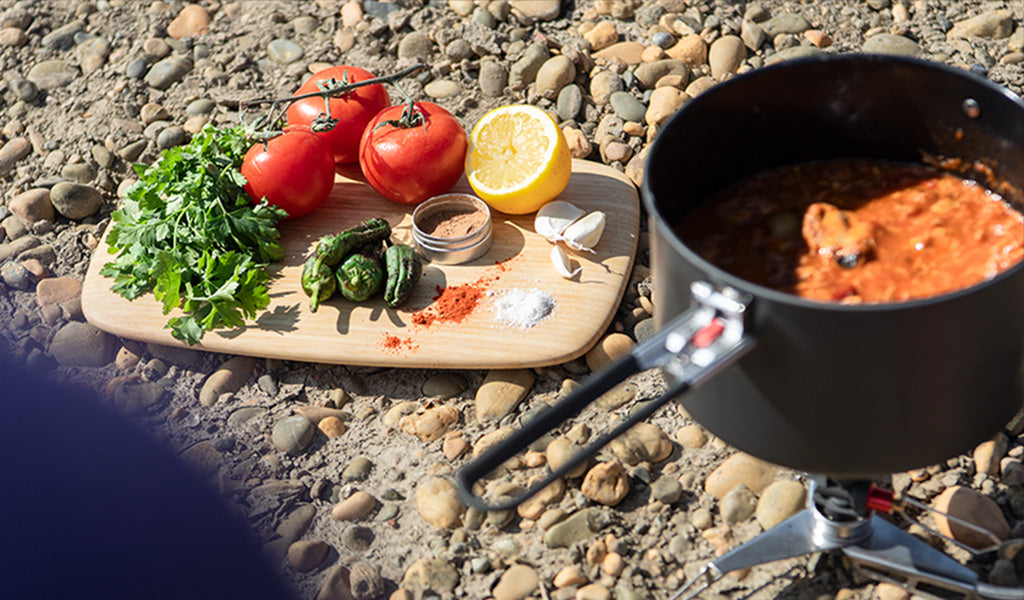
523,308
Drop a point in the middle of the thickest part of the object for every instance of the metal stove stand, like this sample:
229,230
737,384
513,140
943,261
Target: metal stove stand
835,520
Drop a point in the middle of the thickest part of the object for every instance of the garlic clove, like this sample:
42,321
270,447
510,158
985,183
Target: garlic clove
586,232
554,217
563,265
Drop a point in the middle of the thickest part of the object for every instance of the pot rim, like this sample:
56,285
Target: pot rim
716,273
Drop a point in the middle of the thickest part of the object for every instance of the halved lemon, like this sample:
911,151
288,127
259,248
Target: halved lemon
517,159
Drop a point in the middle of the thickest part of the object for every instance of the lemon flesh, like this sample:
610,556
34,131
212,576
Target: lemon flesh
518,159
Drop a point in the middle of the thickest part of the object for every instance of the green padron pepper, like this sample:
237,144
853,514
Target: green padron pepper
360,275
317,281
403,271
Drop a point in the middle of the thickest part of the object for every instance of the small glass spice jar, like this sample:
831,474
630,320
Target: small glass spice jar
452,228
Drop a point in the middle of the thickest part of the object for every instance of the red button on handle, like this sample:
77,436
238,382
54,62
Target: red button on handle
708,334
880,499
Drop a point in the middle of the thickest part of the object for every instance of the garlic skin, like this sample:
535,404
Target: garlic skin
554,217
562,263
585,233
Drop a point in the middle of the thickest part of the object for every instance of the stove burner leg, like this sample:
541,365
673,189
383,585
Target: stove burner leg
880,549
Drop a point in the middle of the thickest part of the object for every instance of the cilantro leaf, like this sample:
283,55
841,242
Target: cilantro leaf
189,234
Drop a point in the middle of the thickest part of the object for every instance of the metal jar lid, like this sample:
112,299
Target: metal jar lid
461,247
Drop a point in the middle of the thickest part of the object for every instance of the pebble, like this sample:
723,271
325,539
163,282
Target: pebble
559,451
603,34
535,506
740,468
627,106
995,24
227,379
15,275
493,78
167,72
579,145
666,489
357,538
438,503
454,446
431,423
13,36
431,574
726,55
351,14
779,501
284,51
306,555
501,391
536,10
891,591
331,426
416,45
11,152
629,53
92,54
569,102
62,38
336,584
973,507
1004,574
23,89
603,84
292,434
606,483
649,74
32,205
610,348
691,50
78,344
691,436
785,23
523,71
18,246
357,470
752,34
620,395
593,591
441,88
138,398
569,576
192,21
888,43
82,172
738,505
356,507
664,103
644,442
794,53
988,454
577,527
556,73
517,583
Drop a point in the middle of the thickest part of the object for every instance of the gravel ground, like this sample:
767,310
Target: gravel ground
90,87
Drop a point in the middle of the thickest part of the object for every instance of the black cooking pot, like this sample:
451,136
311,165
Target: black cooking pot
851,391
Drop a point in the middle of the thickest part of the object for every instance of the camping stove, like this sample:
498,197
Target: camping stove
844,517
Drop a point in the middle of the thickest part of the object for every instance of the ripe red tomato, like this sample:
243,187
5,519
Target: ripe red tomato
294,170
353,110
407,165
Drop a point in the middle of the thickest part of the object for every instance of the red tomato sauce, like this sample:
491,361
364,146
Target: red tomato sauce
857,230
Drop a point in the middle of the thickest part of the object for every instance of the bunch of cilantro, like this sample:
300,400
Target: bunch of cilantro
188,233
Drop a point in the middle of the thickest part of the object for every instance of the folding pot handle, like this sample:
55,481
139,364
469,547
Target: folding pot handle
693,347
534,429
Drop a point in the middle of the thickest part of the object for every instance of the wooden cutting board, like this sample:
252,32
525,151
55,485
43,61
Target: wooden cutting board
373,335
